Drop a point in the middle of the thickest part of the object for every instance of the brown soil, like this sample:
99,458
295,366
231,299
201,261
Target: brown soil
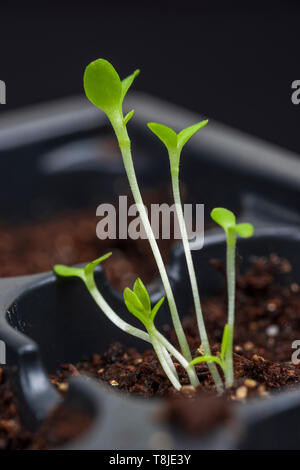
267,322
70,238
61,427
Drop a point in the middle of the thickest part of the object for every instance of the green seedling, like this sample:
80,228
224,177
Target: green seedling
105,89
221,360
227,220
174,143
86,274
138,303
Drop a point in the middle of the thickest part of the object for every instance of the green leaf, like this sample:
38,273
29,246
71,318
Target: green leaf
223,217
207,358
225,340
165,134
68,271
103,86
131,298
127,82
90,268
187,133
141,292
244,230
128,116
156,308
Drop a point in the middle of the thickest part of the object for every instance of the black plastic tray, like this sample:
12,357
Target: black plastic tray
45,322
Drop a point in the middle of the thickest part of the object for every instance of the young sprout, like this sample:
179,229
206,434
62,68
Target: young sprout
86,274
138,303
227,220
105,89
221,360
174,144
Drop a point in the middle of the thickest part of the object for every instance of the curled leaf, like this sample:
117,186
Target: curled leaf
187,133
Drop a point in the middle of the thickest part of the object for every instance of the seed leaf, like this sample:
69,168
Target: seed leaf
156,308
165,134
187,133
68,271
103,86
141,292
90,268
223,217
244,230
128,116
134,306
207,358
127,82
225,340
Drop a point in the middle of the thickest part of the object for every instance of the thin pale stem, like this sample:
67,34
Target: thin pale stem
164,363
124,143
191,270
230,271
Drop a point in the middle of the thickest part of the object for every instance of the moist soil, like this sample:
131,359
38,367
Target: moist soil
62,426
70,238
267,322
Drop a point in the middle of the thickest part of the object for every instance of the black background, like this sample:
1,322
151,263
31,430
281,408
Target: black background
232,61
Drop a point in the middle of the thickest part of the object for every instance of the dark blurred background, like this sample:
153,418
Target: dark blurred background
232,61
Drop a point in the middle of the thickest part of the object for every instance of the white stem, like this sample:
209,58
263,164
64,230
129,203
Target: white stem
171,349
169,361
191,270
230,271
124,143
164,363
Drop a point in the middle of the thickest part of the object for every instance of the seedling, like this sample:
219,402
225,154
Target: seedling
227,220
221,360
138,303
174,143
105,89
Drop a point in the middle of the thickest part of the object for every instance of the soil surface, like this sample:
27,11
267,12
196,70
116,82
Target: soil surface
61,427
267,322
70,238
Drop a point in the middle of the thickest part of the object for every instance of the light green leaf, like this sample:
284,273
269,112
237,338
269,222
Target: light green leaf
223,217
103,86
90,268
131,298
68,271
207,358
128,116
224,344
156,308
187,133
127,82
135,306
141,292
165,134
244,230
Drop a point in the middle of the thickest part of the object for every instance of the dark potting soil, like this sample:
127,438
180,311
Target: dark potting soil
267,322
62,426
70,238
